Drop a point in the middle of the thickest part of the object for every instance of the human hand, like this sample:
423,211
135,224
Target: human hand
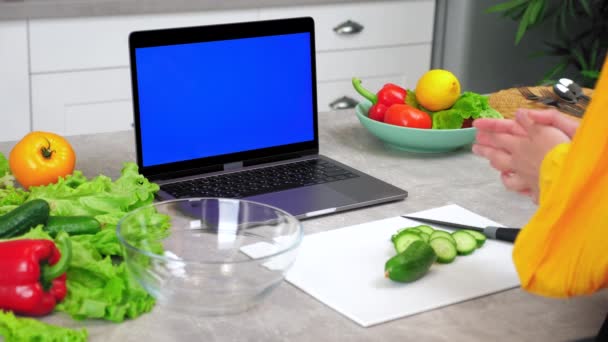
552,117
517,147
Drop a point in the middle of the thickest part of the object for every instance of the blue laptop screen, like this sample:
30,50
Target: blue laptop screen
215,98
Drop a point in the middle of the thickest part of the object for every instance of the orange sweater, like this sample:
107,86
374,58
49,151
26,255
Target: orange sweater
563,250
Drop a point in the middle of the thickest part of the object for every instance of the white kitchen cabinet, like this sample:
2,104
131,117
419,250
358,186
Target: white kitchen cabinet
14,81
376,40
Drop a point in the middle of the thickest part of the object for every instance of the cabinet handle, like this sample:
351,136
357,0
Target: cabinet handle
348,28
344,102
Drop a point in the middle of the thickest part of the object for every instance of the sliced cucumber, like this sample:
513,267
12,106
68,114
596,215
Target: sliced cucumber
425,237
443,234
404,239
465,242
413,230
444,248
479,237
426,229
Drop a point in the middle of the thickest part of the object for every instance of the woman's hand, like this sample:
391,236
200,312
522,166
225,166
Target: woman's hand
517,147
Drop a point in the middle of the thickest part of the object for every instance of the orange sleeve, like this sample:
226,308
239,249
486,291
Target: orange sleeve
561,252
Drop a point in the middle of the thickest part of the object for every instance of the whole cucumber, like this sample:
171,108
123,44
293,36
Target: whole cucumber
23,218
73,225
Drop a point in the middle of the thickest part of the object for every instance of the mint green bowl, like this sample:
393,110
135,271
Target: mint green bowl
415,139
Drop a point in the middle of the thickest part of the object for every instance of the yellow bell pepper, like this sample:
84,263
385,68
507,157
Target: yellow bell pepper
561,252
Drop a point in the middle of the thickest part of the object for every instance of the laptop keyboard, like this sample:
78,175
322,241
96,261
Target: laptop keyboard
259,181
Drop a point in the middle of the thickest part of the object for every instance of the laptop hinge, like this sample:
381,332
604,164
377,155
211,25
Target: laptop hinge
233,166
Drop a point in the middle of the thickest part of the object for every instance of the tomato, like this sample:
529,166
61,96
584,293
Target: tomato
40,158
408,116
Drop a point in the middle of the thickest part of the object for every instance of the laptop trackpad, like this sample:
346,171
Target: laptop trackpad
305,200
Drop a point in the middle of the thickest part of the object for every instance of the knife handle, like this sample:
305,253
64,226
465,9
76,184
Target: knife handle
504,234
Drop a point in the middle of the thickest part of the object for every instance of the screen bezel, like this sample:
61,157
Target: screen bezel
199,34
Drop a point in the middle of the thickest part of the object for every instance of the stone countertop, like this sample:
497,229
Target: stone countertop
22,9
289,314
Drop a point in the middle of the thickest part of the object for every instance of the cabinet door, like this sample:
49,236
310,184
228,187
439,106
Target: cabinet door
14,85
102,42
82,102
367,24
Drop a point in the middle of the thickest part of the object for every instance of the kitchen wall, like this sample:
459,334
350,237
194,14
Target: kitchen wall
479,47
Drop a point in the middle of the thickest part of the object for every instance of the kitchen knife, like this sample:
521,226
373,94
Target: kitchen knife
491,232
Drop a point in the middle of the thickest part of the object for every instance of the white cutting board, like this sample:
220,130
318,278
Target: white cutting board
344,269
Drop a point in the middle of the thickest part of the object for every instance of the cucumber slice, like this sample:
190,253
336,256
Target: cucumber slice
404,239
444,248
443,234
465,242
426,229
425,237
479,237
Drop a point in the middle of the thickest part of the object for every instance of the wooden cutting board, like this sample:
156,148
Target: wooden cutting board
507,101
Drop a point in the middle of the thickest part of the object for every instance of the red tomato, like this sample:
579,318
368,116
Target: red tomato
407,116
376,112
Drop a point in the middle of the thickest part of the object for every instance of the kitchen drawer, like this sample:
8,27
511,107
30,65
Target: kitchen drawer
101,42
332,95
82,102
384,22
14,85
409,60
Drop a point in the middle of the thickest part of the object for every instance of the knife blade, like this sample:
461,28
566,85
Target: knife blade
491,232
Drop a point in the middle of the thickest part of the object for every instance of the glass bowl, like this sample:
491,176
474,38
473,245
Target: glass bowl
209,256
415,139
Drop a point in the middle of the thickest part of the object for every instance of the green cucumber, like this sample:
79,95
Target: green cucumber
413,263
426,229
444,234
73,225
479,237
404,239
425,237
444,248
23,218
465,242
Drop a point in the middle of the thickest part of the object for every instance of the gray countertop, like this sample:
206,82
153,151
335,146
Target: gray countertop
289,314
22,9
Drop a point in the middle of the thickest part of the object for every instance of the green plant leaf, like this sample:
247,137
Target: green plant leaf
536,11
595,47
556,70
593,74
505,6
580,59
585,5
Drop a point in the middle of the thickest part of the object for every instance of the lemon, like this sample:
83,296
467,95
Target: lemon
437,89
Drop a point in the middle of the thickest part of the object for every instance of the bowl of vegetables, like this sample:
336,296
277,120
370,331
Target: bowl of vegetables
435,117
209,256
419,140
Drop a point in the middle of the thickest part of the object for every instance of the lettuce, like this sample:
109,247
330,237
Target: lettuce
99,197
99,285
14,329
469,105
6,178
10,197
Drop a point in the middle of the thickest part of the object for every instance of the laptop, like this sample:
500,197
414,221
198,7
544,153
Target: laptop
230,111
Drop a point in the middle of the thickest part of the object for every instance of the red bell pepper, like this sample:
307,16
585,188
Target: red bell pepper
389,95
32,276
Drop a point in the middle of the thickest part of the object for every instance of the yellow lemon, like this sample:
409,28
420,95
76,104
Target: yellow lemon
437,89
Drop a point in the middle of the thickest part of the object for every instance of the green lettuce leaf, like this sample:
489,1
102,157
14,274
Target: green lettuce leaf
6,178
16,329
469,105
447,119
99,197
